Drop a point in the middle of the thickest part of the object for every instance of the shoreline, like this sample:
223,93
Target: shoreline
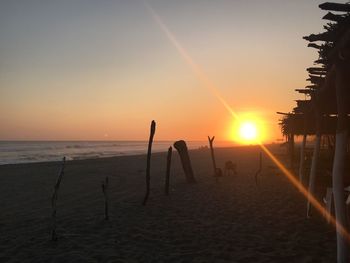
132,154
46,151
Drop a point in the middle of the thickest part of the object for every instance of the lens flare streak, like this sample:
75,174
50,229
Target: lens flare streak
197,70
204,79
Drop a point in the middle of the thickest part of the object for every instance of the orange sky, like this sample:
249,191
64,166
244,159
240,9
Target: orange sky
102,71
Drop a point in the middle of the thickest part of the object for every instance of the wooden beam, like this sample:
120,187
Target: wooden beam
313,87
316,71
305,91
283,113
321,61
316,68
335,7
313,45
316,79
325,36
333,17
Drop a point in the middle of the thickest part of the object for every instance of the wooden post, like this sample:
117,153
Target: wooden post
54,200
260,168
342,81
149,153
315,156
167,176
216,174
291,151
312,179
335,7
181,148
302,159
105,187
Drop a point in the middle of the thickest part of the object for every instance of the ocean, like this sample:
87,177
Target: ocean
12,152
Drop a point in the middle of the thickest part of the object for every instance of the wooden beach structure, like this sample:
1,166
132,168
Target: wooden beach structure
324,114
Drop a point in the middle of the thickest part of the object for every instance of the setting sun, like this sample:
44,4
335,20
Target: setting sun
248,131
249,128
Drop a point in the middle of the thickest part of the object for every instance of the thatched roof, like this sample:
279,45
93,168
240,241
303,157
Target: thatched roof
322,94
300,124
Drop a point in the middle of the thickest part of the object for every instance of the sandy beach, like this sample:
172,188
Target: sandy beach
230,221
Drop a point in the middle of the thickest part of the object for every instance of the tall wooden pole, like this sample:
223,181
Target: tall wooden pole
315,157
260,168
302,158
105,186
342,70
291,151
313,171
148,168
54,200
168,165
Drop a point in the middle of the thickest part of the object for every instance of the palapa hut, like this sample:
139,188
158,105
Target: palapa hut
325,111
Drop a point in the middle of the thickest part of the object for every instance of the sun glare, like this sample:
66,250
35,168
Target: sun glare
248,131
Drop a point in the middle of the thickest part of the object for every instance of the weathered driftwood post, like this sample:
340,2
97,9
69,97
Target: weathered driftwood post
168,165
54,200
259,170
105,186
217,173
181,147
148,168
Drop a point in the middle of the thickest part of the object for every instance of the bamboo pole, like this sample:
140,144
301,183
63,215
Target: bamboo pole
105,187
54,200
148,168
167,176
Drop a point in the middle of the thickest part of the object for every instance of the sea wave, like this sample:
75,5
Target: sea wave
31,151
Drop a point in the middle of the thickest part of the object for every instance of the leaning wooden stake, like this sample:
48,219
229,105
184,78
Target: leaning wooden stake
54,200
105,186
168,164
149,153
181,147
259,170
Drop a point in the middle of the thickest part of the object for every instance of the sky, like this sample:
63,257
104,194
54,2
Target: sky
102,70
